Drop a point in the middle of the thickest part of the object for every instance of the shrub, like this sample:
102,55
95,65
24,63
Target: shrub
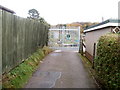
107,62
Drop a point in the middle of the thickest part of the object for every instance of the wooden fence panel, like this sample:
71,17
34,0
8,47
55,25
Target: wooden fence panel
14,41
0,43
4,41
20,38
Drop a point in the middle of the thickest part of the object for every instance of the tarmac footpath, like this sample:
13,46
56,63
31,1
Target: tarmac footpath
61,69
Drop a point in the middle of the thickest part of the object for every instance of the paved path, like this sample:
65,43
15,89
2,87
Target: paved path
61,70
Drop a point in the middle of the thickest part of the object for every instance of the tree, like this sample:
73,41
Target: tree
33,13
42,20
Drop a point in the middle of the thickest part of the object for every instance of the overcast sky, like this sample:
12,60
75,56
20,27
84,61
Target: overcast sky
66,11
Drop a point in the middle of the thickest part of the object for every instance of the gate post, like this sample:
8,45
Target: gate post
80,42
0,49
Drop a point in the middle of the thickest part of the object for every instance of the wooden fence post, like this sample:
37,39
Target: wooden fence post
94,50
0,48
81,47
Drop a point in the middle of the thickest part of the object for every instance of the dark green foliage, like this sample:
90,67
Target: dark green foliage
33,13
107,62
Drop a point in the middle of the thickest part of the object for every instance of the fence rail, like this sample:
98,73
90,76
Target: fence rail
20,38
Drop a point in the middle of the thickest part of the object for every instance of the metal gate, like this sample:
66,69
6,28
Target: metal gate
64,37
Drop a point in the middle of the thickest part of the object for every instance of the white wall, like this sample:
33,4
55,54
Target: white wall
93,36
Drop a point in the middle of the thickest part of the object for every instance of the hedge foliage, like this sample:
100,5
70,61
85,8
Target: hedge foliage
107,62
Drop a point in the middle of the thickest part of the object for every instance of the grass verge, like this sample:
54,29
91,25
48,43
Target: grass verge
92,72
19,76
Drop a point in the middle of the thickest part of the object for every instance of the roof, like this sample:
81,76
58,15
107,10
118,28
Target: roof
6,9
107,23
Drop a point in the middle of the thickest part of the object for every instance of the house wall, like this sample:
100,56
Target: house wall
91,38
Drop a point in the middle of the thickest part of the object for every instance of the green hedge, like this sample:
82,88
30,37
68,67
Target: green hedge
107,62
